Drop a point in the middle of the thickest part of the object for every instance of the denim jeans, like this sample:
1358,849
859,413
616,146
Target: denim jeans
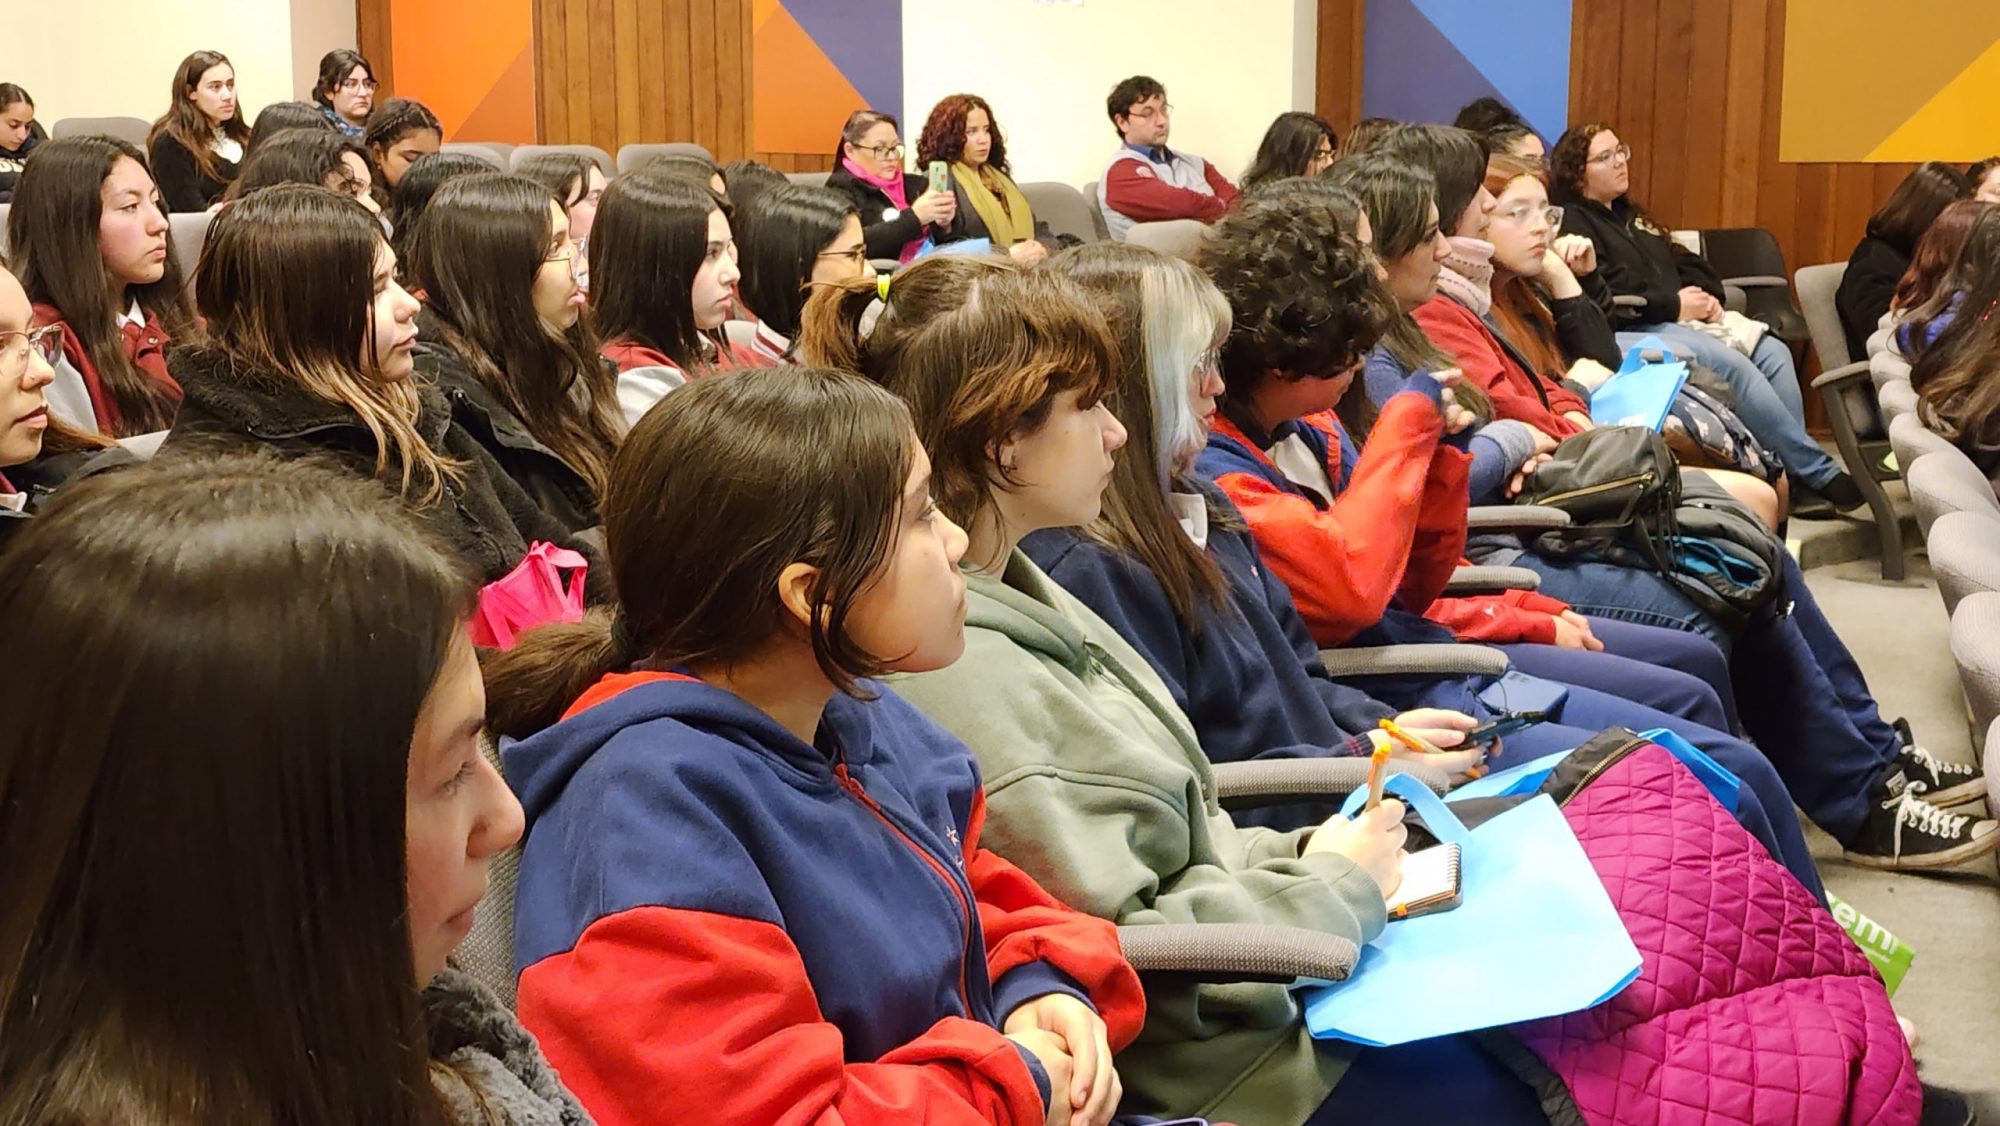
1766,386
1626,594
1682,672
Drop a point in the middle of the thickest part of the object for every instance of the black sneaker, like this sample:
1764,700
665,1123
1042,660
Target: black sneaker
1903,831
1941,782
1842,492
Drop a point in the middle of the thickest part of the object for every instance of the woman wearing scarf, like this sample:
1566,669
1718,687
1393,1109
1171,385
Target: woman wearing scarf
898,209
962,133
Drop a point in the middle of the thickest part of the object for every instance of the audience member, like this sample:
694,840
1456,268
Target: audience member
775,543
1591,178
19,134
1985,179
1516,140
578,185
1145,180
281,117
516,360
694,166
748,179
308,156
400,131
791,240
962,133
37,452
292,280
198,143
1883,255
898,209
1929,292
1484,114
316,850
1366,134
1957,376
413,193
345,92
665,263
89,237
1296,144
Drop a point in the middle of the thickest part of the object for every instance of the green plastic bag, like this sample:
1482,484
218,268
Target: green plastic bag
1891,957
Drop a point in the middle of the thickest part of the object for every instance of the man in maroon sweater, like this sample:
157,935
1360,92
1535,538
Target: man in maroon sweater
1146,181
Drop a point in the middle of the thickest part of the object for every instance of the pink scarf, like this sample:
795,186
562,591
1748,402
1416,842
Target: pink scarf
893,188
1467,277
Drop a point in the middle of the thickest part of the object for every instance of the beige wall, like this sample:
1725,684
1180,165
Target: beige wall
99,58
1046,68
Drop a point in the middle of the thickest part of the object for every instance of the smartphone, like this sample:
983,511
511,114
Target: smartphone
940,175
1505,726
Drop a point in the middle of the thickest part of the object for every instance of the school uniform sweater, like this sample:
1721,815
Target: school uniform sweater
1497,449
718,922
1097,786
1517,392
78,395
645,376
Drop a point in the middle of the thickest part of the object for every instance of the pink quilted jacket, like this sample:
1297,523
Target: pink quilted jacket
1752,1005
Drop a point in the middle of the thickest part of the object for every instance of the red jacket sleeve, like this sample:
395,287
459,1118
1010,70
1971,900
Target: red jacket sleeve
1462,336
1517,615
660,1014
1220,185
1024,924
1439,544
1344,563
1131,189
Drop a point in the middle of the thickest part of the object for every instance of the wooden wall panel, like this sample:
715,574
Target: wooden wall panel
1337,73
616,72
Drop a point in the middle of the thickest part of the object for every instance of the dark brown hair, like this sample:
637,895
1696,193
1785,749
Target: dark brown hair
1908,212
1930,271
1957,378
147,822
943,137
857,126
978,348
1289,145
1570,157
718,489
185,122
1454,158
1366,135
334,68
565,174
52,235
395,119
299,156
648,242
476,254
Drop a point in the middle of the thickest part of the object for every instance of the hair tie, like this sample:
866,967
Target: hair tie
882,287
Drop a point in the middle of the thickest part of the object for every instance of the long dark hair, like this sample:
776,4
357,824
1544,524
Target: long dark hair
717,490
1133,286
1930,272
1958,376
334,67
395,119
279,117
943,137
565,174
476,254
1569,158
287,284
297,156
1288,147
413,193
779,240
1910,209
748,179
185,122
647,244
272,884
1454,158
52,235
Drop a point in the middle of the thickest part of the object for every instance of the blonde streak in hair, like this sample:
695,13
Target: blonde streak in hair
390,414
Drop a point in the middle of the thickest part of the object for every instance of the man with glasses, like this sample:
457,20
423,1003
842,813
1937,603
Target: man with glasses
1146,181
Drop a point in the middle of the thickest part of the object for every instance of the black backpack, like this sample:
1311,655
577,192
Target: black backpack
1629,505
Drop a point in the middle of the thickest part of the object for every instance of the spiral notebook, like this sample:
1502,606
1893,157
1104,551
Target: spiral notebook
1430,883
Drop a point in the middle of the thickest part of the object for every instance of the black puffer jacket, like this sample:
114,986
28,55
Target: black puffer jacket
558,489
886,228
1636,259
38,481
485,516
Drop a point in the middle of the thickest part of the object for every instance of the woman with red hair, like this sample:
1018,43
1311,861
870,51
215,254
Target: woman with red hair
962,133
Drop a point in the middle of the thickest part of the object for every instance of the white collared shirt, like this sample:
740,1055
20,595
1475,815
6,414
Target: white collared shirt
1191,510
227,147
135,316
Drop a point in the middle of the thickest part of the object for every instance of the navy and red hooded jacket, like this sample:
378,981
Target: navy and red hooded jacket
718,922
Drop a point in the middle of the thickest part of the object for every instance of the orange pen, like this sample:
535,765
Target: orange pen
1377,774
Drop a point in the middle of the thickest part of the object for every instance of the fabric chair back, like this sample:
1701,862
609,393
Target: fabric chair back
190,231
130,129
1965,556
1975,648
1910,440
1897,397
523,152
1181,238
1947,481
808,179
1063,208
1817,285
1096,206
635,156
495,154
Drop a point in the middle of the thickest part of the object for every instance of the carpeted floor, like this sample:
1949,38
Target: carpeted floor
1900,635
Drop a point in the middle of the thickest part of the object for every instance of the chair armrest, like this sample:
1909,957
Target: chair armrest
1735,299
1840,377
1239,952
1757,281
1275,781
1535,517
1628,301
1491,580
1442,659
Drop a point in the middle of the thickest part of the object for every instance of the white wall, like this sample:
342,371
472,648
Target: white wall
1046,68
116,58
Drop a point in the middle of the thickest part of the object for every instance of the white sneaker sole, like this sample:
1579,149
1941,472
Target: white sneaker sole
1925,861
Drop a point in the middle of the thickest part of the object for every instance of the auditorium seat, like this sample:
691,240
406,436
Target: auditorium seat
1911,441
808,179
1063,208
1965,556
1096,206
190,230
1859,429
1975,649
633,156
131,129
495,154
1897,397
523,152
1749,259
1947,481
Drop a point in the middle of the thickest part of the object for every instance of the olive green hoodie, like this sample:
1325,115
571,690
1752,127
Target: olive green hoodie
1096,786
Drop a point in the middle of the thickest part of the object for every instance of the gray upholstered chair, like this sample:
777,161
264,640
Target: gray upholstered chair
633,156
1897,397
1947,481
808,179
1886,367
495,154
1063,208
1845,386
129,129
1096,206
189,229
1181,238
1965,555
522,154
1910,440
1975,648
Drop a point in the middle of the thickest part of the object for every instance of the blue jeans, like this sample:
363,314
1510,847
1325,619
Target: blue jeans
1691,675
1445,1079
1766,386
1627,594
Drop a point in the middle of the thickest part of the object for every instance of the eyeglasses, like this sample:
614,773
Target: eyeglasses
884,152
15,347
1148,113
570,251
1619,155
356,85
857,255
1208,361
1522,212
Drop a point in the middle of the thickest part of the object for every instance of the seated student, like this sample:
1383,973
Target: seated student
1500,129
693,165
665,263
1146,181
1095,780
305,901
503,323
19,134
1984,176
1366,134
308,156
1590,177
898,209
962,132
845,948
1954,375
345,92
89,237
413,193
399,133
196,146
281,117
1883,255
1296,144
312,353
791,240
1928,294
578,184
745,180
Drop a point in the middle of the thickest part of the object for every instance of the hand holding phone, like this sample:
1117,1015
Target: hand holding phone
1505,726
940,175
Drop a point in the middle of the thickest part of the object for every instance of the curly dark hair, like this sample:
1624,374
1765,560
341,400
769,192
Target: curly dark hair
1306,299
943,137
1567,159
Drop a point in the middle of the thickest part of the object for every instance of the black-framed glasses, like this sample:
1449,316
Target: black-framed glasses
857,255
15,347
884,152
1619,155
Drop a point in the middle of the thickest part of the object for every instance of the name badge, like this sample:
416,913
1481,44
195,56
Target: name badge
889,214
